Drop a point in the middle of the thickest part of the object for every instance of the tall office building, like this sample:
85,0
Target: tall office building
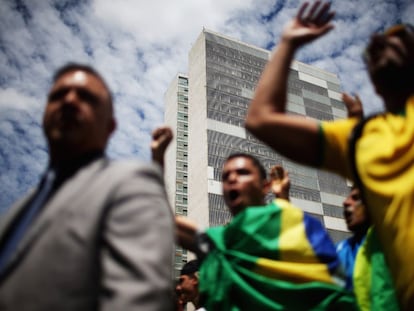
176,173
207,110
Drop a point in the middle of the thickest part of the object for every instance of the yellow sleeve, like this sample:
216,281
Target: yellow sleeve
334,142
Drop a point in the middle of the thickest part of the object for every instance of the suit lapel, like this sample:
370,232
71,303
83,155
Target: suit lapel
63,199
12,213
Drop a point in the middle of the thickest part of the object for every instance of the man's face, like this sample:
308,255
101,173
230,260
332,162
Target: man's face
354,211
242,184
390,58
187,288
78,114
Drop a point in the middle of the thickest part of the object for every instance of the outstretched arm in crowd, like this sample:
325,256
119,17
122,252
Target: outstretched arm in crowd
186,233
292,136
185,229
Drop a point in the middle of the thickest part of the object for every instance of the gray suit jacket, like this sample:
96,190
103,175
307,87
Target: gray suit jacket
103,242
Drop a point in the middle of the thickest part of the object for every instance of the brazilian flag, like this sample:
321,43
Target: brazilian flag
272,257
373,284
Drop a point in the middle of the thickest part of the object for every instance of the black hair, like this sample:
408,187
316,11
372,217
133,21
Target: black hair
254,160
190,267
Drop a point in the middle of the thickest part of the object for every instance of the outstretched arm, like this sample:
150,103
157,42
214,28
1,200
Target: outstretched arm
186,233
294,137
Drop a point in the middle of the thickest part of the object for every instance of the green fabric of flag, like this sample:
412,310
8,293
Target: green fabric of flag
373,284
272,258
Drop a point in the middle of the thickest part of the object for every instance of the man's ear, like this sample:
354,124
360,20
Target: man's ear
195,278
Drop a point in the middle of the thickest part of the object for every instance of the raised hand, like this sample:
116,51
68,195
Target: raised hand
309,24
161,138
353,105
280,182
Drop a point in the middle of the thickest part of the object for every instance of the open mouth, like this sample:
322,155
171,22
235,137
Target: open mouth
233,195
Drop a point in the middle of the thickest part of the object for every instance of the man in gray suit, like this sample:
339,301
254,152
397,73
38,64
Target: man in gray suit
96,234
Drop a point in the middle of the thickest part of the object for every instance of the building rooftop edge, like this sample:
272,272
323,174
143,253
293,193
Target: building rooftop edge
264,50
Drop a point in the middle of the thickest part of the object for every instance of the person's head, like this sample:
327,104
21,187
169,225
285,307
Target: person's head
79,116
244,182
355,213
187,285
390,60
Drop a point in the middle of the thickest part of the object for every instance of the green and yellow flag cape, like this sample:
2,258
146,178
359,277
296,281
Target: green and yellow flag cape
272,257
373,285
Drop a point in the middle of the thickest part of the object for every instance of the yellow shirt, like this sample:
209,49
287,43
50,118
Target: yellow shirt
385,164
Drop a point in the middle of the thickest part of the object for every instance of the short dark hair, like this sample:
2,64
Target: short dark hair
254,160
69,67
190,267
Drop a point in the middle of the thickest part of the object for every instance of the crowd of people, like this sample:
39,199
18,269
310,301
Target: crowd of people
98,234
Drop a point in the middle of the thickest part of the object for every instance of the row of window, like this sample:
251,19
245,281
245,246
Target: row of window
330,185
182,135
182,126
234,72
182,176
332,210
238,144
241,57
182,155
215,78
218,212
182,165
182,98
216,104
182,116
213,95
182,187
337,104
299,84
305,193
182,81
181,199
228,63
182,145
313,104
180,210
182,89
295,91
318,115
228,119
231,63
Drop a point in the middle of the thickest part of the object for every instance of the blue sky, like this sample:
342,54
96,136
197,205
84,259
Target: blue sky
139,46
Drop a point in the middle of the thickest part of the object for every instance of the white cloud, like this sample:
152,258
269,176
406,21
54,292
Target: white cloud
139,46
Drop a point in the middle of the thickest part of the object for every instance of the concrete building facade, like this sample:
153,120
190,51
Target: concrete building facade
222,76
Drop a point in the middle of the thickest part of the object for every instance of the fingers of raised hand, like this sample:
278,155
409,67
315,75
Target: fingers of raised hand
163,132
161,138
318,14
